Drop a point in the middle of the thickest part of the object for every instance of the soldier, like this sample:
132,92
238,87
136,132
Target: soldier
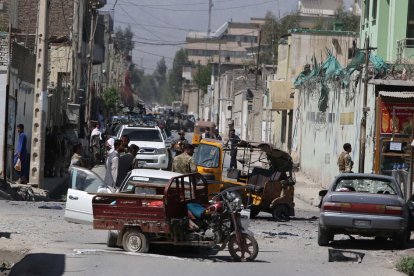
184,163
345,162
233,140
179,144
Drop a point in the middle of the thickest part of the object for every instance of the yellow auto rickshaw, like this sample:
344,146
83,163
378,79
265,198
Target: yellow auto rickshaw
199,129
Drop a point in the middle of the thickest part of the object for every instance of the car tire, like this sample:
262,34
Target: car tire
281,212
402,239
135,241
112,239
324,236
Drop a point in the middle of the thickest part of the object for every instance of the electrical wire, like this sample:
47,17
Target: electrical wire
203,10
152,54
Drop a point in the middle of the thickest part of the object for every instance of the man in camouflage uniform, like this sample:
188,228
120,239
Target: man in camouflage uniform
345,162
178,145
184,162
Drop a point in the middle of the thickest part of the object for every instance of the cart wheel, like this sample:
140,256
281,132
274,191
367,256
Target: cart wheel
280,212
251,248
254,212
135,241
111,241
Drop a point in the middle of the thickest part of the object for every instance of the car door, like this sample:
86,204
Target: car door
78,200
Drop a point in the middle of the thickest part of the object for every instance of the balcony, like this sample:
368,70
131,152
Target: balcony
405,50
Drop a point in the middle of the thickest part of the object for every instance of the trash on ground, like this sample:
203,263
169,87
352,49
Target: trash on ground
336,255
55,207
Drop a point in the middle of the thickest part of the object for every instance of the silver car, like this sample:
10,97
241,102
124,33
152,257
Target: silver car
364,204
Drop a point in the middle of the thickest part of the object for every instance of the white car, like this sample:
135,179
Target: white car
153,144
83,182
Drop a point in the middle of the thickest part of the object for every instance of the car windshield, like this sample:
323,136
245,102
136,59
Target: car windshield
147,135
129,185
207,156
365,185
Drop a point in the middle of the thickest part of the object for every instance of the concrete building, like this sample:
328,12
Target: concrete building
233,42
389,25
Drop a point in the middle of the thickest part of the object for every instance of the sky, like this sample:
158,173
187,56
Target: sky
169,21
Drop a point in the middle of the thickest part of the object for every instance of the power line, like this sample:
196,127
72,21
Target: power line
178,4
153,54
160,27
201,10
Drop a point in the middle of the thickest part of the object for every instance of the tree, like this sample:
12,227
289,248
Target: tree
160,74
175,76
203,77
111,97
350,21
123,40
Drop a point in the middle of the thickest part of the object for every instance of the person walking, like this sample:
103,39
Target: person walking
184,163
126,163
345,162
95,143
178,145
21,162
234,140
111,164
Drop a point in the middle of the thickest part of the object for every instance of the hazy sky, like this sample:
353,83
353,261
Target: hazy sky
168,21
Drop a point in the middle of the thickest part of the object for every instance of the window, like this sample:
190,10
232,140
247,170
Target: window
374,12
85,181
207,156
147,135
410,22
365,185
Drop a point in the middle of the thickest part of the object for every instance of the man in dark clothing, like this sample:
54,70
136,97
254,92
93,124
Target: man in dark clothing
21,154
126,164
179,144
234,140
124,149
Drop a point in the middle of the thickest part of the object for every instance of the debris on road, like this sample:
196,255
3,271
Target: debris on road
272,234
336,255
54,207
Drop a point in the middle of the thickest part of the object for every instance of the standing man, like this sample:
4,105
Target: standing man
95,143
126,163
111,165
21,154
124,145
217,135
345,162
206,133
179,144
234,140
184,163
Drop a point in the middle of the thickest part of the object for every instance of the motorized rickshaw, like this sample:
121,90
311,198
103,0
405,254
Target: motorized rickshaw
267,168
199,129
177,213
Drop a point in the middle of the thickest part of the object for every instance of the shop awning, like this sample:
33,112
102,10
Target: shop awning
396,94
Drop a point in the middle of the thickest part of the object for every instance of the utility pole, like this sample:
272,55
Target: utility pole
6,112
94,15
365,109
258,56
210,6
219,86
40,99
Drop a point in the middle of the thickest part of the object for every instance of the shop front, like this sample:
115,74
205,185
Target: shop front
394,135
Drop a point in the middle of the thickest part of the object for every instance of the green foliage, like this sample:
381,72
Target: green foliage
203,77
406,265
111,97
175,76
160,74
123,40
351,22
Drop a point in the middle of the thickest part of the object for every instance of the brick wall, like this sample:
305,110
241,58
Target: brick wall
60,17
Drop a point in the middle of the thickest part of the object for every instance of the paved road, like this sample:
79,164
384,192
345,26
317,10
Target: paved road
288,248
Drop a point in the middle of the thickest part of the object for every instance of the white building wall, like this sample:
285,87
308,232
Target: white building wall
322,137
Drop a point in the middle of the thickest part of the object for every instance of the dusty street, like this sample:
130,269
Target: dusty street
55,247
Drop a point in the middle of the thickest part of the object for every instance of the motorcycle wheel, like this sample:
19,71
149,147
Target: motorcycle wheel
135,241
251,248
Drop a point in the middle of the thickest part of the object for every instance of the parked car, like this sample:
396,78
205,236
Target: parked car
152,142
366,205
83,182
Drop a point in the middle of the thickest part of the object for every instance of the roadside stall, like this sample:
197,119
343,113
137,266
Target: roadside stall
393,150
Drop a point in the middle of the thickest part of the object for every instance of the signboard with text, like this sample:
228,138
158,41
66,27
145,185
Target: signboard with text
397,118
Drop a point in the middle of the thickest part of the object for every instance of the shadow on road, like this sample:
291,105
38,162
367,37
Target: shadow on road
366,244
40,264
